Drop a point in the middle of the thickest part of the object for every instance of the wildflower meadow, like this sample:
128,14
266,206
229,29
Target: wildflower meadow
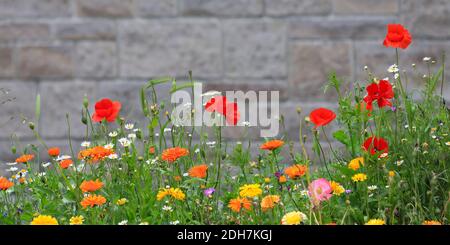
388,165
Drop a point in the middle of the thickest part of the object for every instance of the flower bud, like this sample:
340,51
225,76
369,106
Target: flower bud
31,125
85,101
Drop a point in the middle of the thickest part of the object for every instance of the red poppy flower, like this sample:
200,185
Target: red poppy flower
216,104
375,145
397,36
220,105
106,109
321,117
381,92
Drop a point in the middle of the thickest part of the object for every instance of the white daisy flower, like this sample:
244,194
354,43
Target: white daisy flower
399,163
176,222
167,208
85,144
113,134
109,146
132,136
46,164
123,222
129,126
393,69
11,163
167,130
426,59
63,157
113,156
124,142
372,187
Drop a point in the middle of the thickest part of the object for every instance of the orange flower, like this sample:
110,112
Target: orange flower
431,222
24,158
272,145
93,200
177,178
5,184
282,179
64,164
268,202
199,171
238,203
91,185
151,150
295,171
53,152
95,154
172,154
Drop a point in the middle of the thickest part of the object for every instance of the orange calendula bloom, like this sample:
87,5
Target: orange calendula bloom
172,154
175,193
199,171
5,184
44,220
92,200
25,158
91,185
282,179
269,202
272,145
295,171
151,150
95,154
64,164
53,152
237,203
431,222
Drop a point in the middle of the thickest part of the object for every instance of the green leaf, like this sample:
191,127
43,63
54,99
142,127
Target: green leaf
158,81
342,137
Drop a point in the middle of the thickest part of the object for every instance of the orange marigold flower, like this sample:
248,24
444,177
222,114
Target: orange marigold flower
282,179
237,203
295,171
269,202
92,200
25,158
95,154
198,171
177,178
5,184
431,222
64,164
272,145
53,152
172,154
91,185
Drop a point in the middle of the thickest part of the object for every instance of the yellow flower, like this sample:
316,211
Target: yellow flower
44,220
376,222
293,218
77,220
176,193
431,222
359,177
267,180
391,173
338,189
251,190
356,163
121,201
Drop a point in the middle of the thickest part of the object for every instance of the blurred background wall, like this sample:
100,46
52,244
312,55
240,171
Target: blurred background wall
63,49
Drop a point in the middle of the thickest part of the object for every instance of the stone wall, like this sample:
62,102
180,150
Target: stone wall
63,49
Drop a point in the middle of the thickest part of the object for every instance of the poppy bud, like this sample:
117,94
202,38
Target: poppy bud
85,101
31,125
299,110
13,149
140,158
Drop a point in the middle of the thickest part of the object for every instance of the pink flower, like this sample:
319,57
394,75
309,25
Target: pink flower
320,190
